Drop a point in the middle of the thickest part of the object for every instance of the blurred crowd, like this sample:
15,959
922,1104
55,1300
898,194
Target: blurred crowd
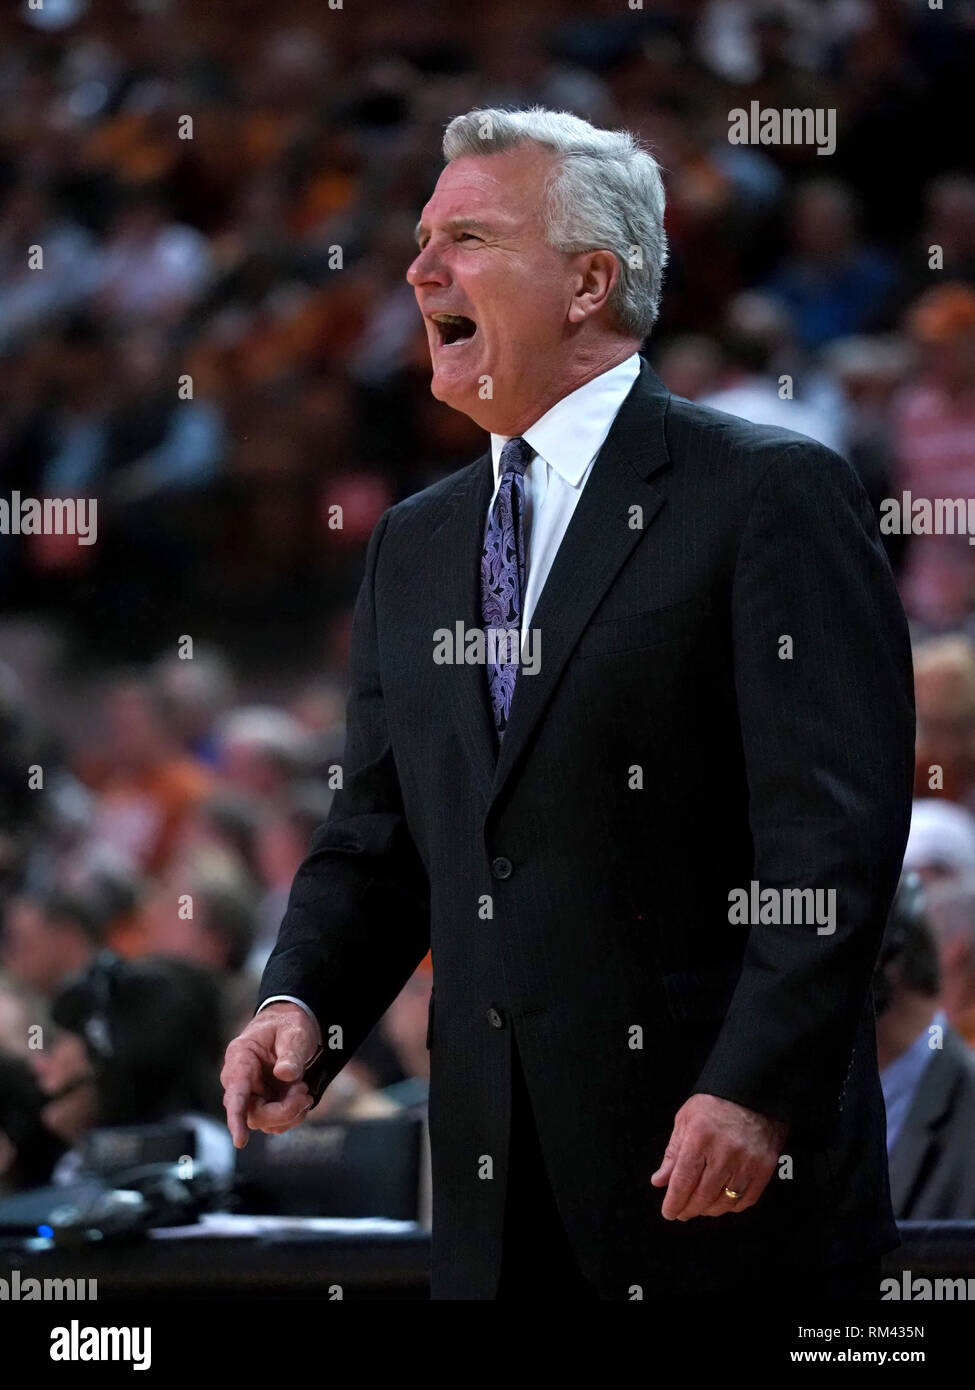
145,875
222,349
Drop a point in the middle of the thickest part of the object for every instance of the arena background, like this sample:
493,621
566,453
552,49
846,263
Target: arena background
221,348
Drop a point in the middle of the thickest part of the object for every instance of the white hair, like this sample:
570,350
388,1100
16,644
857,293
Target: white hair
942,834
265,729
605,193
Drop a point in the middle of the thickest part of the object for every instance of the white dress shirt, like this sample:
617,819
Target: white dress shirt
566,440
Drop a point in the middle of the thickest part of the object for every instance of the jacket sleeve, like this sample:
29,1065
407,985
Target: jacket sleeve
828,737
357,922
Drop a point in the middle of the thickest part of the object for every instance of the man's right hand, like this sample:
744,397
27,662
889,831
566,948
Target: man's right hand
263,1070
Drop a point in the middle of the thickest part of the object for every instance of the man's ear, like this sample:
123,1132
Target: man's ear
599,272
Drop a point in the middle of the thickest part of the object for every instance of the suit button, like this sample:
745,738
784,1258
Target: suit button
501,867
495,1017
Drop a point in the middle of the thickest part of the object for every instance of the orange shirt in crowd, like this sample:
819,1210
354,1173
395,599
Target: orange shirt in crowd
142,811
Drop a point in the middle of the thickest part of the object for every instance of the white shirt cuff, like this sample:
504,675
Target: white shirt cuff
290,999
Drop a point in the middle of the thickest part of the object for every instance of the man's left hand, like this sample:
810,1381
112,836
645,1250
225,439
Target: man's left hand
717,1144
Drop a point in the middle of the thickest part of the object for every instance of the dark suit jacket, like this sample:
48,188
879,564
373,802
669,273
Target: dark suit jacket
932,1166
698,543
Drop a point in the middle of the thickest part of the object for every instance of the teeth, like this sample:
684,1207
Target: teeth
447,318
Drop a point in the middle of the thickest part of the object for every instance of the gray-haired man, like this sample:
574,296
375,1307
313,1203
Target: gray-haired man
723,698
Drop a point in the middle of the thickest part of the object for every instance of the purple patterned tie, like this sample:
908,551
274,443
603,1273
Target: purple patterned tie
503,573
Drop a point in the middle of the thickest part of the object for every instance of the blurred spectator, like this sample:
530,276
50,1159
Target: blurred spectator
756,342
944,686
753,39
934,425
949,226
927,1074
262,752
951,914
20,1009
830,282
46,940
150,267
405,1027
868,372
57,438
690,365
319,706
226,824
204,911
28,1150
283,840
31,296
21,810
135,1043
150,441
146,784
196,693
941,842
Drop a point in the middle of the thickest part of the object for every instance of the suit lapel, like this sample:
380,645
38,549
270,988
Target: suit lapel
598,540
457,544
927,1112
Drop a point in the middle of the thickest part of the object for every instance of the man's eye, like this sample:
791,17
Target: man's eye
472,236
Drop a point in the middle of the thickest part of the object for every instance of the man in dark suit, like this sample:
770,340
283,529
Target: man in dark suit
926,1069
932,1169
653,857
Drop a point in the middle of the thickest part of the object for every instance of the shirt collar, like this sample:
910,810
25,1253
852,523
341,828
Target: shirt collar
571,432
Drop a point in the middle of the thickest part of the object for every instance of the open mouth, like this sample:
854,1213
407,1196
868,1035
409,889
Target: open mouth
453,328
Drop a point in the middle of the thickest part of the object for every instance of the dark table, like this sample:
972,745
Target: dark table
294,1262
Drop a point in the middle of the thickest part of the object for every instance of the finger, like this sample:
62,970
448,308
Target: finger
283,1129
667,1164
723,1204
280,1129
291,1051
749,1185
263,1113
683,1181
239,1077
236,1100
283,1111
755,1188
709,1188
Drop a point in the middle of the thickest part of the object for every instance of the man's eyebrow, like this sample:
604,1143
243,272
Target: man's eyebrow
453,224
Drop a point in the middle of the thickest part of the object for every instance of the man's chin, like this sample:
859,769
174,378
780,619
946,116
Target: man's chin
453,390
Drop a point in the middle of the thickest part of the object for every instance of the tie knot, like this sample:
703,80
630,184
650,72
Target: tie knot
516,456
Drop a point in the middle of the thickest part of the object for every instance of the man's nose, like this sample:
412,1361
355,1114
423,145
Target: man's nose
425,268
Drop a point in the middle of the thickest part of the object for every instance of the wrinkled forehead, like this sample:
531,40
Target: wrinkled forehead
500,191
